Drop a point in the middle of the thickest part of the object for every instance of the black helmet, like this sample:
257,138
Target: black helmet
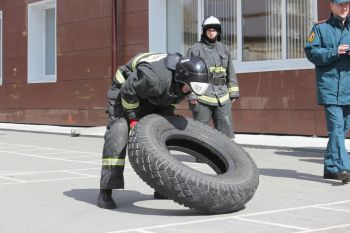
193,72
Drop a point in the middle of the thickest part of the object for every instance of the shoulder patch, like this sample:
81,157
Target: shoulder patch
311,37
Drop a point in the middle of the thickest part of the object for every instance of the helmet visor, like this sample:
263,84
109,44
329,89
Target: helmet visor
199,88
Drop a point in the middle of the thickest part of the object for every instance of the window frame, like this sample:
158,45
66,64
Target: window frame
269,65
240,65
1,48
37,42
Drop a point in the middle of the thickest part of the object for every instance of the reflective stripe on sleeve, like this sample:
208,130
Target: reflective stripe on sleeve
137,59
119,77
153,57
127,105
147,57
113,162
233,89
214,99
219,69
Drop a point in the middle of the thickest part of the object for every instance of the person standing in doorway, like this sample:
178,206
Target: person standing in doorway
327,47
216,103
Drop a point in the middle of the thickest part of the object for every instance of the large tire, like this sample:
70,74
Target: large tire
237,175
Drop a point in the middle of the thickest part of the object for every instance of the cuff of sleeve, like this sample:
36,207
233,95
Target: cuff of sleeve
335,52
192,96
234,95
131,115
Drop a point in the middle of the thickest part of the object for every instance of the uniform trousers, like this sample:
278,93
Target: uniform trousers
338,123
221,115
115,146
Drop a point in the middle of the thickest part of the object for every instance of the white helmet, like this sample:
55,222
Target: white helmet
211,22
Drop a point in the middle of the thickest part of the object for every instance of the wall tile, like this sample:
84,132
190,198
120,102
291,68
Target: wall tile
69,11
8,4
14,20
46,95
248,121
91,94
3,97
321,125
86,64
274,94
274,121
84,35
302,122
15,70
131,50
250,91
15,45
54,116
131,6
301,89
135,31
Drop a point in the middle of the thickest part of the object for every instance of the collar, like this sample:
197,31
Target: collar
207,42
338,22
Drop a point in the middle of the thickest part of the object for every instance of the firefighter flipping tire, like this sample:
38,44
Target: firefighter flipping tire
237,175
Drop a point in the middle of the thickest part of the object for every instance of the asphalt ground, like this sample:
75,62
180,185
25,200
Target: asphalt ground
49,183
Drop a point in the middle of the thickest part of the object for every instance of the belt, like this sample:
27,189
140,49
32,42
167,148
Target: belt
219,80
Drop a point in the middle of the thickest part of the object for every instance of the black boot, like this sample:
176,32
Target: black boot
343,176
105,199
158,195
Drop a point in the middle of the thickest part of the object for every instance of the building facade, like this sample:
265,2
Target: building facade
58,57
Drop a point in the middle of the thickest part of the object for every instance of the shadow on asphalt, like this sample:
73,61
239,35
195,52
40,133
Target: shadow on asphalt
297,175
312,155
306,155
126,202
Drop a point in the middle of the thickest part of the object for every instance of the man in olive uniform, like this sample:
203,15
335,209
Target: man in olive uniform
148,83
327,47
216,102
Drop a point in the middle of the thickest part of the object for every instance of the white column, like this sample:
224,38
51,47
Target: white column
157,25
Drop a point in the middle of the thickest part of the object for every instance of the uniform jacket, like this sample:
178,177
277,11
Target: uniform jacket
149,80
224,85
332,70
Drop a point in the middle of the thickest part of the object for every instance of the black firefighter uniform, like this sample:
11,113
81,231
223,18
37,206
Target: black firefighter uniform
216,102
143,86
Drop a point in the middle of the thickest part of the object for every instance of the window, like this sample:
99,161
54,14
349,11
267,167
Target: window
42,42
258,32
1,48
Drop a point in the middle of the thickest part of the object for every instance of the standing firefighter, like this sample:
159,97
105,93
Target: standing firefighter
216,102
148,83
327,47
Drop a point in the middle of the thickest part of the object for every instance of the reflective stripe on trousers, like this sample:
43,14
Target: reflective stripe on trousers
107,161
113,158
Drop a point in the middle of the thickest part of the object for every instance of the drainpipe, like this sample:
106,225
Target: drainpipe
114,37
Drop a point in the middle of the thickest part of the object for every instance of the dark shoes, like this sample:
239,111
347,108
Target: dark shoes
343,176
159,196
105,199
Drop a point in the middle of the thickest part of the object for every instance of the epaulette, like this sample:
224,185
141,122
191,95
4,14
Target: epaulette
321,21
